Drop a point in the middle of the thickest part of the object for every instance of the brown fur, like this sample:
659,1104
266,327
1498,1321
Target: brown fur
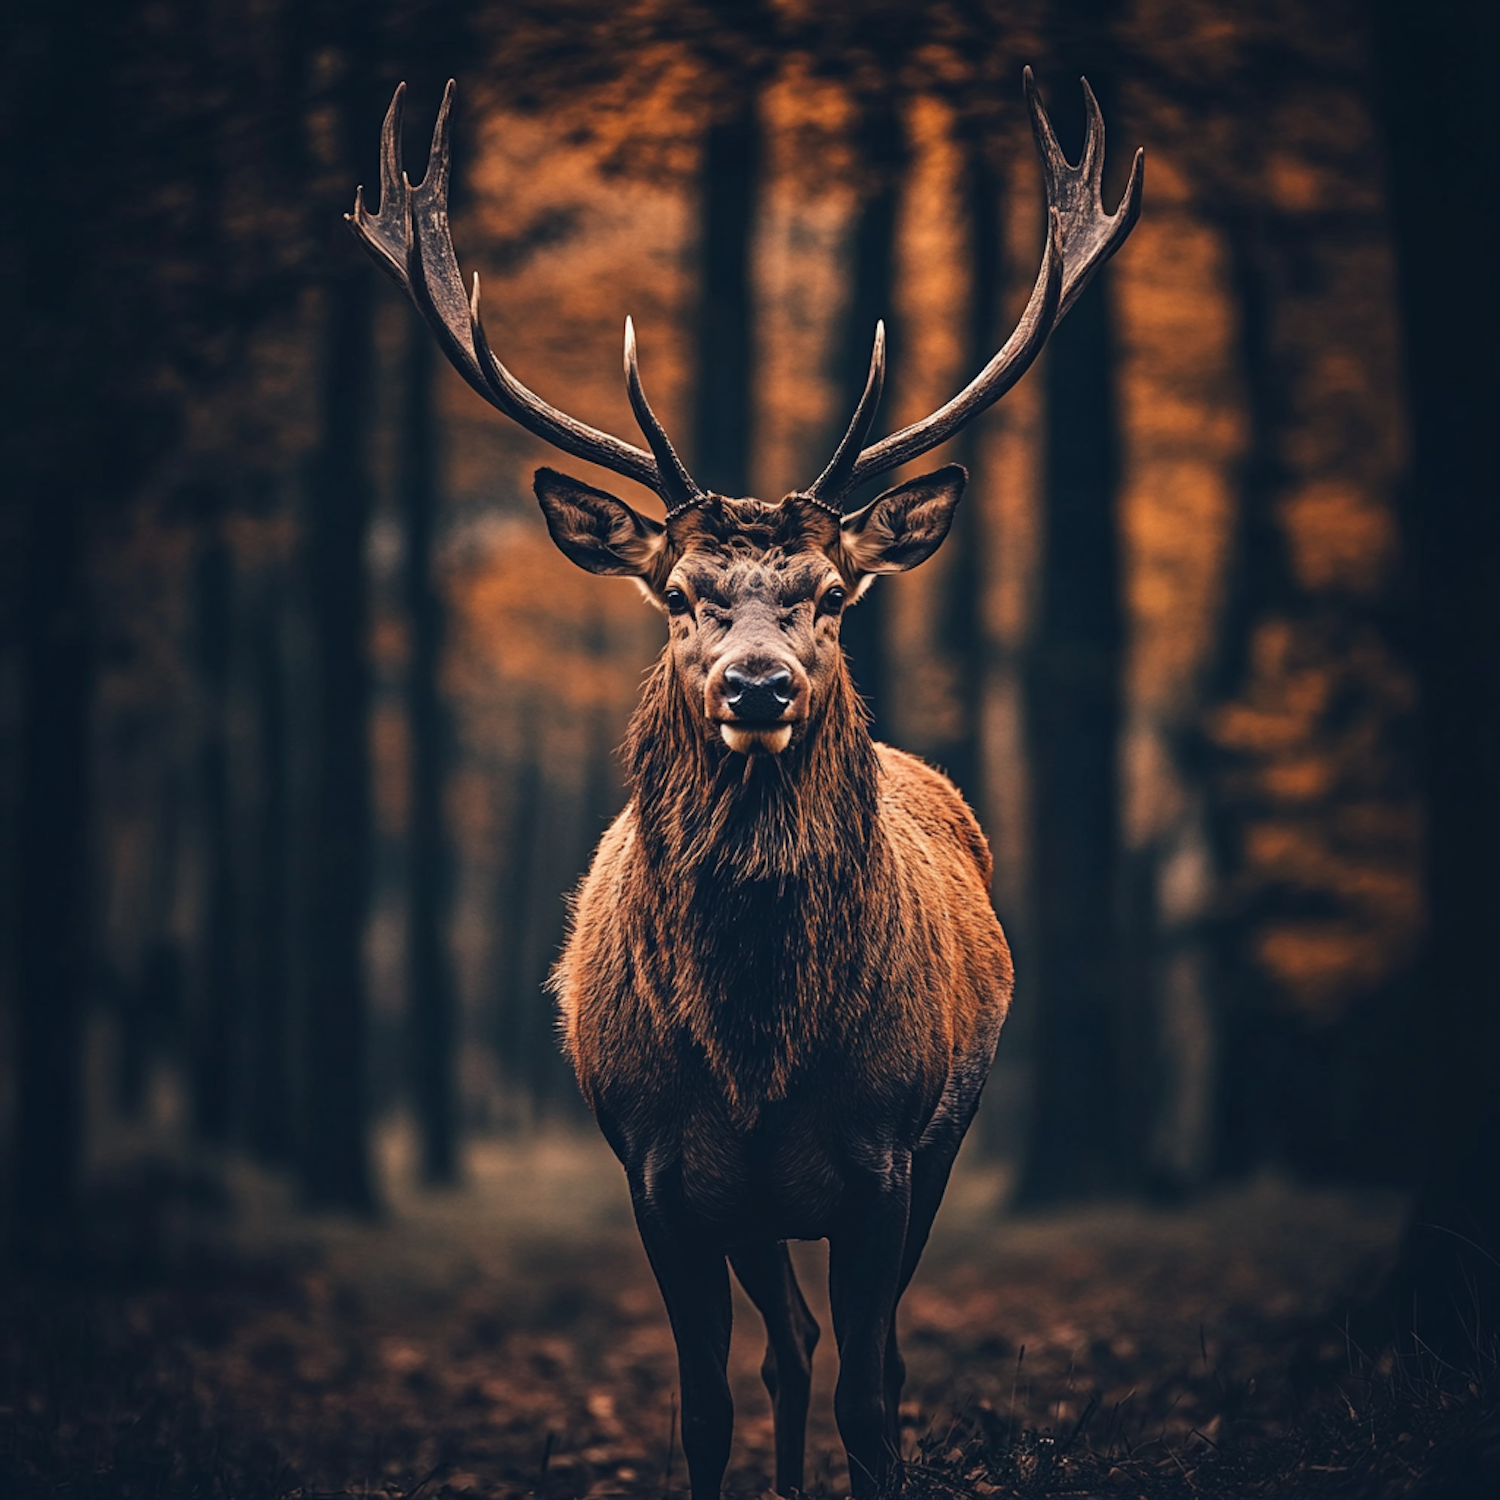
884,948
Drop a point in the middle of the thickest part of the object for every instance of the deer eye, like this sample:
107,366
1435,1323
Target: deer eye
676,601
832,601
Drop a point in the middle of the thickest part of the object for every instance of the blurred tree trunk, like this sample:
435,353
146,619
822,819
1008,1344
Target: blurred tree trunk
216,1012
334,1149
268,1091
57,667
963,636
723,417
513,919
1259,586
1079,1135
152,1014
1444,162
335,1162
551,837
431,999
60,478
880,147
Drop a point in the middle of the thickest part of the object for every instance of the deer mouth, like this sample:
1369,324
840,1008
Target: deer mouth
752,702
749,739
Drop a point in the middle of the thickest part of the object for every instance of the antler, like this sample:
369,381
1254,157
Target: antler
1080,238
410,240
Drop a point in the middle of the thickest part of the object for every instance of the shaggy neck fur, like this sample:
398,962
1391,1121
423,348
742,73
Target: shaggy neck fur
765,871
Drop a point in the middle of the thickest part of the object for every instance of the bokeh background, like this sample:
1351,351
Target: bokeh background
306,729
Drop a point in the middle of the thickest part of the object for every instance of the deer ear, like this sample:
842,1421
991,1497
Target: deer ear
596,531
906,525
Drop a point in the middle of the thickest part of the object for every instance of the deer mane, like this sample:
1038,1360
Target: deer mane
704,812
764,871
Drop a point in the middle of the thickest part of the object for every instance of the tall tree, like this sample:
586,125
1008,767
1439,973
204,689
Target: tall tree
1077,1146
52,919
58,479
216,1013
335,1166
334,1161
432,1003
723,416
551,836
880,147
516,917
267,1090
1444,164
963,632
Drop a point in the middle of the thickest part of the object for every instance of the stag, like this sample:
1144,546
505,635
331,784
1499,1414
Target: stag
784,981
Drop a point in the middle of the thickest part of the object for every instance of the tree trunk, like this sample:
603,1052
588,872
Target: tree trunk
962,630
1259,584
1444,164
335,1161
547,846
882,154
1078,1147
431,1001
334,1153
513,922
268,1087
335,1165
53,893
724,415
216,1011
61,474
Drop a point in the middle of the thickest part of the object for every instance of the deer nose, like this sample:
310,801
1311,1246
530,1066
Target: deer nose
758,698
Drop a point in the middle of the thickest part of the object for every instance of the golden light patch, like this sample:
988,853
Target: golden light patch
1323,965
1340,536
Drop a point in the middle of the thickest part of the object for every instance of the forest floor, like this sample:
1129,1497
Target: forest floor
507,1339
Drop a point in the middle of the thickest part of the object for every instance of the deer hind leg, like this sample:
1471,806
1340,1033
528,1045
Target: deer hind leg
930,1169
765,1271
865,1257
694,1282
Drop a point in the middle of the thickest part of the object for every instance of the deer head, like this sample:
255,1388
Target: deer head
754,591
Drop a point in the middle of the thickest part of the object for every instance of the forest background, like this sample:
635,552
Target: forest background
306,729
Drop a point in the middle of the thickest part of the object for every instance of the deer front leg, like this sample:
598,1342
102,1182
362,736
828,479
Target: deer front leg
864,1279
765,1271
694,1282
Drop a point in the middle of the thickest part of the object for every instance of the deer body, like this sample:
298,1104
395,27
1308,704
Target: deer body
784,982
793,1027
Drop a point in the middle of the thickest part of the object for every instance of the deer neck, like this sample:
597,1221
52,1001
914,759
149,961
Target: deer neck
708,816
766,876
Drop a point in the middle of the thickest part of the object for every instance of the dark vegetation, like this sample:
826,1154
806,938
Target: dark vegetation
482,1350
300,740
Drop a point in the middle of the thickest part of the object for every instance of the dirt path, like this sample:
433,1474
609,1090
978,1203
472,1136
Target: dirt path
510,1335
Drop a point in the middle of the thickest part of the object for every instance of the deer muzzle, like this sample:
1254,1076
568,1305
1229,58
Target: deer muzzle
755,706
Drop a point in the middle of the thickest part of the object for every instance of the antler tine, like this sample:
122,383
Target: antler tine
1090,236
677,488
1080,238
373,229
833,481
1013,360
1091,162
409,238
